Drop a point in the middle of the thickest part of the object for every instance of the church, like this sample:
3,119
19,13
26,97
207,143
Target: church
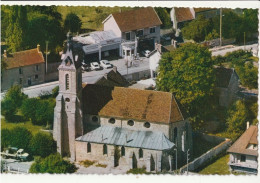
116,125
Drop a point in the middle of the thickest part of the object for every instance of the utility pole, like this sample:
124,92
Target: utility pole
187,161
220,28
47,42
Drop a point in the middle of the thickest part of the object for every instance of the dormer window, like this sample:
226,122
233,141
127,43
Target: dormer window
67,82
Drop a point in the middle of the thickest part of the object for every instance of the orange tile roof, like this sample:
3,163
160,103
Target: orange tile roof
143,105
23,58
248,137
137,19
197,10
183,14
114,78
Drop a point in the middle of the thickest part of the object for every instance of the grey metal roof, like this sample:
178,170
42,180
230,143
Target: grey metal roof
129,138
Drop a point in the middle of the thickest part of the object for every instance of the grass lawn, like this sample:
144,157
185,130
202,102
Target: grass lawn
27,124
219,167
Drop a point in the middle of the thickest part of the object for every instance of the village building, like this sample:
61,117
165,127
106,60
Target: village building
227,85
244,152
118,126
143,23
24,68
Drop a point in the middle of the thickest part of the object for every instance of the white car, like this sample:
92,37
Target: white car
146,53
105,64
94,66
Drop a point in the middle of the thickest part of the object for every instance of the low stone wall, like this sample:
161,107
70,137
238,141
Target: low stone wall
136,76
222,146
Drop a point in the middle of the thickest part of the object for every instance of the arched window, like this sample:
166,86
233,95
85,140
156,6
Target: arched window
130,123
89,147
122,151
104,149
175,131
141,153
67,82
112,120
147,125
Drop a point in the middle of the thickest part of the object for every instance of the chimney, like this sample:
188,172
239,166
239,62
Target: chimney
247,125
38,48
5,53
115,69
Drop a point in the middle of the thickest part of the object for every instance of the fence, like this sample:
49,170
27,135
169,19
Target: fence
10,169
196,163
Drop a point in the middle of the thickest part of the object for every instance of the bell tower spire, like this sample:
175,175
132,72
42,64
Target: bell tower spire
67,113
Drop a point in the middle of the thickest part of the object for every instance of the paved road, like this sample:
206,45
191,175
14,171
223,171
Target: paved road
16,165
254,48
87,77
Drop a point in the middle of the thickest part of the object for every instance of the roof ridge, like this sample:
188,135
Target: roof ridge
178,108
25,51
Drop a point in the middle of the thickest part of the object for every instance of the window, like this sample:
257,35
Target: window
36,76
67,100
127,35
140,32
104,149
21,81
243,158
94,119
20,71
183,139
130,123
89,147
152,30
175,135
122,151
147,125
67,82
141,153
37,67
112,120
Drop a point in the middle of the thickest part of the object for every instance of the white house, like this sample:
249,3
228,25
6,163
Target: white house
244,152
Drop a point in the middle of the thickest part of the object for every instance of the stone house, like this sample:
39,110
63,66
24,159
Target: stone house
244,152
118,126
227,85
24,68
143,23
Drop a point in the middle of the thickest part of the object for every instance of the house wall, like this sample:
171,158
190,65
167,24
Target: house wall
11,77
111,24
249,166
159,158
154,63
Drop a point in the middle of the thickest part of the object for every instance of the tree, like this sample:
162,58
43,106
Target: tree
5,138
42,144
72,23
164,16
20,137
197,29
188,73
44,112
29,107
12,101
52,164
42,28
17,27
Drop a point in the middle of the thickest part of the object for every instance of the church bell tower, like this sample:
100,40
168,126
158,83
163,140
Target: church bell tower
67,113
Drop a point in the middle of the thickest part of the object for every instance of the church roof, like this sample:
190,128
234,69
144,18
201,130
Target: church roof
223,76
129,138
144,105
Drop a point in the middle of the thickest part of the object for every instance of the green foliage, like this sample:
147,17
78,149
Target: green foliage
188,73
197,29
52,164
86,163
164,16
12,101
28,108
20,137
44,112
238,115
42,28
42,144
100,17
137,171
212,35
55,92
72,23
5,138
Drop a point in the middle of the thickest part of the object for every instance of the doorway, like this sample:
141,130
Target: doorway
134,161
29,81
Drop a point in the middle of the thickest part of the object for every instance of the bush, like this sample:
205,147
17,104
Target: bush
55,92
20,137
137,171
42,144
52,164
5,138
44,112
29,107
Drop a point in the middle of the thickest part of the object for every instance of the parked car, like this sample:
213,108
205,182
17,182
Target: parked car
105,64
85,67
13,152
146,53
95,66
